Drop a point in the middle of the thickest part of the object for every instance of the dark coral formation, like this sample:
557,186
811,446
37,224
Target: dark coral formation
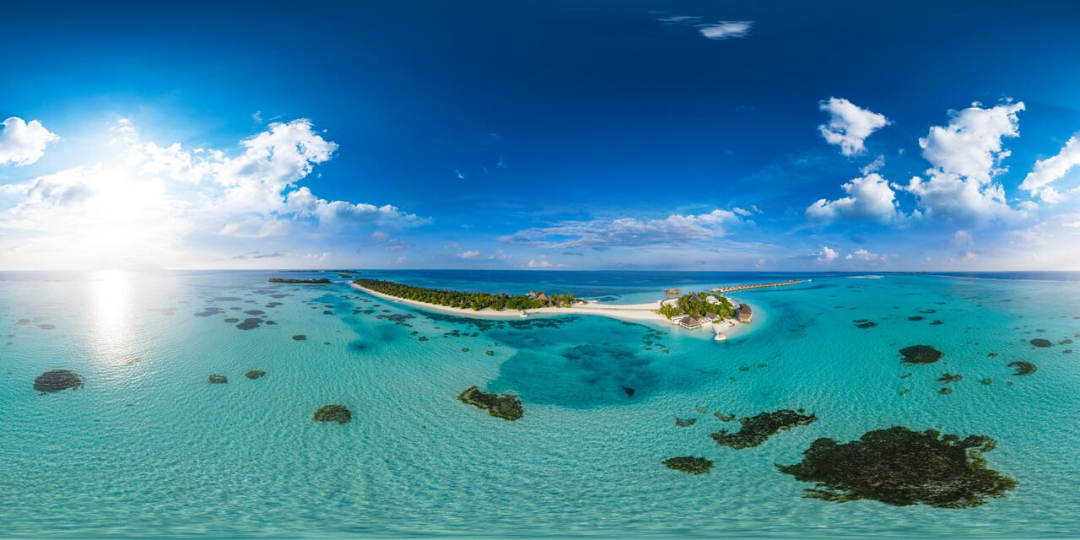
689,464
685,422
255,374
920,354
1023,367
947,378
218,379
1040,342
299,337
902,467
916,318
864,323
333,413
757,429
250,324
58,380
506,406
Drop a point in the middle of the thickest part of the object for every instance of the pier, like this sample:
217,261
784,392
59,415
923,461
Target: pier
750,286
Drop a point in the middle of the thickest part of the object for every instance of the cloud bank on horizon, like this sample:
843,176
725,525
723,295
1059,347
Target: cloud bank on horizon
831,181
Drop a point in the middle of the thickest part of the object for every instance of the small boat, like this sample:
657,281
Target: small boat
673,291
720,337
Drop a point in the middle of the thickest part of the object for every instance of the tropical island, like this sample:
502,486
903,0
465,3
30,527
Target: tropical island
694,311
475,301
316,281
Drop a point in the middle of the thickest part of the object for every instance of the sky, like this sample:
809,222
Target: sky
862,136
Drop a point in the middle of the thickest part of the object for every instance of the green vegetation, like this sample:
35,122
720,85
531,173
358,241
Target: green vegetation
698,305
317,281
475,301
902,467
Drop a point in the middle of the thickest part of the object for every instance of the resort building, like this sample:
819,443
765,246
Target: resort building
746,315
691,323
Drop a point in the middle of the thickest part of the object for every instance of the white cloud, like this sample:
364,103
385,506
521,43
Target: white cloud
849,125
966,156
23,143
865,256
962,238
304,203
602,233
535,263
869,198
1052,169
726,29
469,254
827,254
142,200
272,161
971,145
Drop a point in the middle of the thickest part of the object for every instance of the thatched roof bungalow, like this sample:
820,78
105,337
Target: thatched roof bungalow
746,315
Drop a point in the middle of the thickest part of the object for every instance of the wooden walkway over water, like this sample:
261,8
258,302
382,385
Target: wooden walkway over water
749,286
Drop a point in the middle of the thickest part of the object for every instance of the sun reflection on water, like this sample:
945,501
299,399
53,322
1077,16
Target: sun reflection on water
112,312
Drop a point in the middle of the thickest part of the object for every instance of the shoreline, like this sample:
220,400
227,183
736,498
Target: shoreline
625,312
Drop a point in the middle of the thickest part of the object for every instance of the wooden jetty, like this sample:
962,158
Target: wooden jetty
750,286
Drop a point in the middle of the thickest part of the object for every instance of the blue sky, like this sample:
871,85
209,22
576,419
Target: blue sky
579,135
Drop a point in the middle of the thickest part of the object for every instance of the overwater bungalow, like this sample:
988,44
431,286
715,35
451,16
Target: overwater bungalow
746,315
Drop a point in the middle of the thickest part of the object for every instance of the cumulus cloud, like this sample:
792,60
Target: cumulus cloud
726,29
966,156
304,203
864,256
469,254
23,143
539,263
604,233
142,198
868,198
827,254
1049,170
849,125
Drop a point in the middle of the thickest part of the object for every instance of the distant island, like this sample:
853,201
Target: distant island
316,281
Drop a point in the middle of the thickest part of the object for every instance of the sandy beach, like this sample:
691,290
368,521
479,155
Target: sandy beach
628,312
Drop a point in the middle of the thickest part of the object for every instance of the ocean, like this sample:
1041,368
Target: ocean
148,447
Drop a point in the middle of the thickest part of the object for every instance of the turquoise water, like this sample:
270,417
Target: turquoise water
148,447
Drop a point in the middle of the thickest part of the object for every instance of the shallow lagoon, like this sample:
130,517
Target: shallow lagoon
147,446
